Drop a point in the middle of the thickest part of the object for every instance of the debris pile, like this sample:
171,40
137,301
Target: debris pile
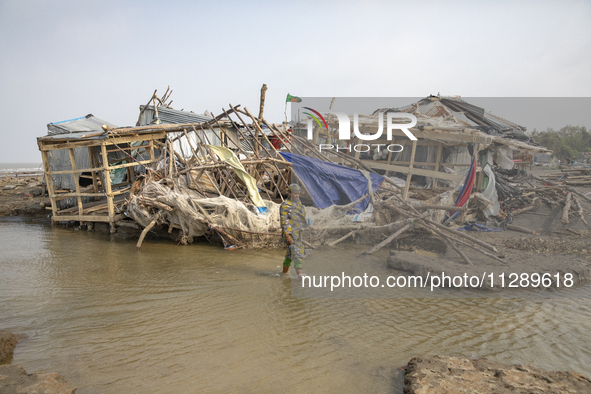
226,175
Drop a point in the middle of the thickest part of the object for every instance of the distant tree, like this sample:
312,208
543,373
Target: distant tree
566,143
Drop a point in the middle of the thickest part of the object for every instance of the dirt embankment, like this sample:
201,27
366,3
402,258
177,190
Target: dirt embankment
15,380
450,375
23,196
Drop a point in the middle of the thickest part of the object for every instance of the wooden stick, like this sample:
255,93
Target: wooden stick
480,250
308,244
566,208
145,106
145,231
520,229
521,210
580,211
450,243
441,207
387,240
461,234
333,243
262,106
584,197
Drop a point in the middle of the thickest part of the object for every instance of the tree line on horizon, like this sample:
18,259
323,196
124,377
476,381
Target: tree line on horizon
565,143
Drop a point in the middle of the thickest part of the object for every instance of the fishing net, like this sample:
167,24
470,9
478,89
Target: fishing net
172,203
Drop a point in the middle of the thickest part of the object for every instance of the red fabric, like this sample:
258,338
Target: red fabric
276,142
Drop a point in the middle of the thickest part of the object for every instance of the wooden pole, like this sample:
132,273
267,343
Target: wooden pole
107,178
437,164
262,106
49,181
567,203
138,245
388,240
76,182
93,171
410,166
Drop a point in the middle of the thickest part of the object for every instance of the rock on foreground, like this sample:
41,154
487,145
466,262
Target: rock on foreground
7,343
15,380
450,375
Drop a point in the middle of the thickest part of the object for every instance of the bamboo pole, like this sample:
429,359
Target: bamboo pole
256,153
449,242
388,240
107,178
567,204
580,211
93,170
76,182
262,103
410,166
342,238
49,181
437,164
461,234
138,245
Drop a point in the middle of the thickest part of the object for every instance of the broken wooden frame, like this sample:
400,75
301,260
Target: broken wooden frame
208,174
426,136
103,191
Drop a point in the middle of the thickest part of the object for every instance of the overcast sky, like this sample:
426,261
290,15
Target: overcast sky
65,59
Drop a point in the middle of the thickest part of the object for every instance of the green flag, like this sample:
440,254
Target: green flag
292,99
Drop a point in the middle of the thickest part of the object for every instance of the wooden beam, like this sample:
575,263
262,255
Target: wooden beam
87,218
437,164
93,170
49,181
414,171
409,176
76,183
107,178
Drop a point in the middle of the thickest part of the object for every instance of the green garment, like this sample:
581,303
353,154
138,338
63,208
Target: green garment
297,264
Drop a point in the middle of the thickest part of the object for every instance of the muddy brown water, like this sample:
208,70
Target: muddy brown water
188,319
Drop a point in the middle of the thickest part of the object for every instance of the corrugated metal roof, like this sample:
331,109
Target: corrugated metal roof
85,135
85,124
169,115
453,111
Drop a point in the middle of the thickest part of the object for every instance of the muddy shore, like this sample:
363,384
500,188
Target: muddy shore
23,196
554,249
450,375
15,380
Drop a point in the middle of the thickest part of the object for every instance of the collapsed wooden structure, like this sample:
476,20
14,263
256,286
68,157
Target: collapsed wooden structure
158,151
104,195
438,127
224,175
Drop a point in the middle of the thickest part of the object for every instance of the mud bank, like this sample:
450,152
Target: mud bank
8,342
15,380
547,268
23,196
449,375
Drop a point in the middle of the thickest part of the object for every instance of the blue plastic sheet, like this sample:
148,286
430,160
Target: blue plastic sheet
330,183
478,227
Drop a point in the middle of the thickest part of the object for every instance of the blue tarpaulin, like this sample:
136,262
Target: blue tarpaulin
330,183
478,227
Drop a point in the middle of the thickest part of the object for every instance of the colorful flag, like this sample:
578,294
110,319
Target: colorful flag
292,99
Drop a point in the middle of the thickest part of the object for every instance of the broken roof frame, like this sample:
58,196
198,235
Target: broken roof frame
427,135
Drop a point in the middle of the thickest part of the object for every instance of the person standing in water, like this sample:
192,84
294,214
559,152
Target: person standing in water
292,217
